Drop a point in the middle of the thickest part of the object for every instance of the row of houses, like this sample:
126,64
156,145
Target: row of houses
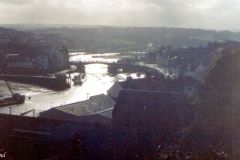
44,60
190,61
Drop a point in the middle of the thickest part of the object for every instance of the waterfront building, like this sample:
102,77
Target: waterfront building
43,60
16,64
52,59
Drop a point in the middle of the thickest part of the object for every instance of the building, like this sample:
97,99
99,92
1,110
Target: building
16,64
158,111
161,104
98,109
52,59
44,60
31,138
187,85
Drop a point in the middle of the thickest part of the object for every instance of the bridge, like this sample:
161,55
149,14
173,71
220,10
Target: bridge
92,62
54,83
115,67
76,50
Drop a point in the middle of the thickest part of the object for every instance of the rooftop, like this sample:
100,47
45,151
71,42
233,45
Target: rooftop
98,109
159,84
92,106
168,111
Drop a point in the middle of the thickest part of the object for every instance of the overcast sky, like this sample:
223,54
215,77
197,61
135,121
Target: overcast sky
210,14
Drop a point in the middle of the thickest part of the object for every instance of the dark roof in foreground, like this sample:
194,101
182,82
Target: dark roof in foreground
167,111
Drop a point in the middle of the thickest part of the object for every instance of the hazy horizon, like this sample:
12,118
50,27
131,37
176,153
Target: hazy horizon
202,14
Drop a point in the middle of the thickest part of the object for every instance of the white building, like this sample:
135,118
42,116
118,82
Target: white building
52,59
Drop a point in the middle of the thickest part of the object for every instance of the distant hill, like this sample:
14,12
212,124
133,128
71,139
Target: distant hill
25,43
122,39
138,39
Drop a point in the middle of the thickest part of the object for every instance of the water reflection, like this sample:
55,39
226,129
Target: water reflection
83,57
97,81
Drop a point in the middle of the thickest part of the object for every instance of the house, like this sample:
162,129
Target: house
160,104
43,60
17,64
186,85
52,59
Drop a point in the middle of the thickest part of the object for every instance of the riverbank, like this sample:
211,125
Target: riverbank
54,83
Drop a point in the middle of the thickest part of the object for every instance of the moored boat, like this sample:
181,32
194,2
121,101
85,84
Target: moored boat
77,80
15,98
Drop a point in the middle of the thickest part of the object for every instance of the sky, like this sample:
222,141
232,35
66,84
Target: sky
206,14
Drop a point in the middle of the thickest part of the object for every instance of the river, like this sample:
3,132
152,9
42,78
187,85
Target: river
39,99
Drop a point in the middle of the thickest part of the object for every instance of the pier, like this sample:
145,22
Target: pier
54,83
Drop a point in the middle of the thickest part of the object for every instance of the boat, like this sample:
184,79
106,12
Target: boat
15,98
138,74
77,80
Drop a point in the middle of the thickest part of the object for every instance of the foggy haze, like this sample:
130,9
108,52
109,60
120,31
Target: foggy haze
207,14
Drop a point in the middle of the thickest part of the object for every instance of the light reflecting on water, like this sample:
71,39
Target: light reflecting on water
106,57
97,81
123,76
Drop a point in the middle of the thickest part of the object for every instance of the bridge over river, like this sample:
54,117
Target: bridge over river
115,67
92,62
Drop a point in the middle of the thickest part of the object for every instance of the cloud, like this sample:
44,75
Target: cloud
216,14
15,2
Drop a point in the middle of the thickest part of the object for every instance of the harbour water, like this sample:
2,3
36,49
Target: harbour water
97,81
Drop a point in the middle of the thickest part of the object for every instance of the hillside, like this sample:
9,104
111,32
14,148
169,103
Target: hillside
25,43
218,122
192,61
95,38
214,135
138,39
